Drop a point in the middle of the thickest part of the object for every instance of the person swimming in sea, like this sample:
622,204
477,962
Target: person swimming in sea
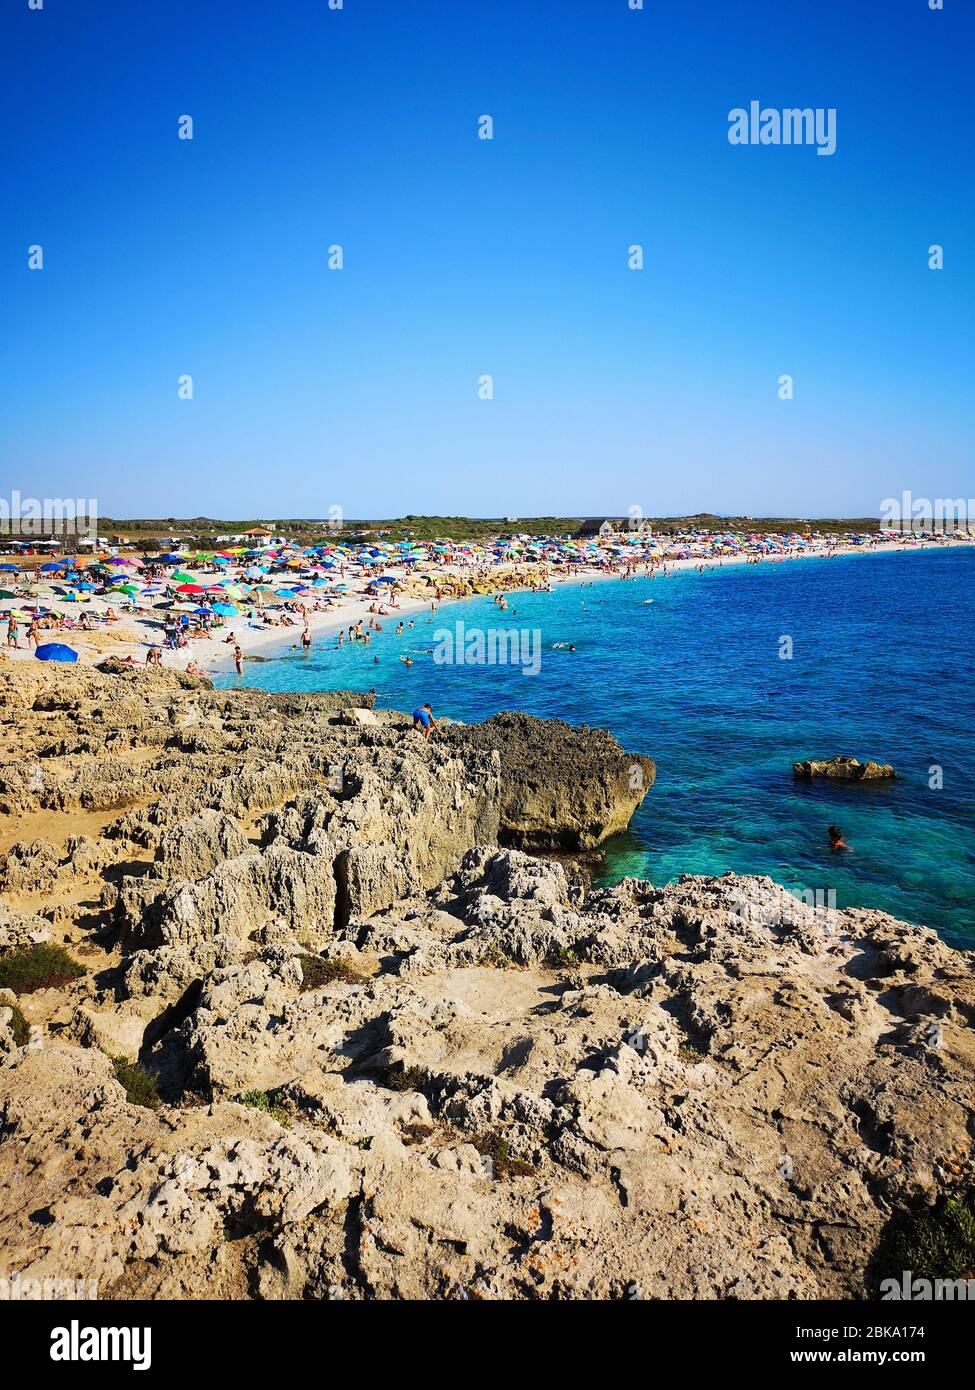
836,841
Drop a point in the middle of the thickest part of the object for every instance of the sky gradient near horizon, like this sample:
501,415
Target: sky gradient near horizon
358,388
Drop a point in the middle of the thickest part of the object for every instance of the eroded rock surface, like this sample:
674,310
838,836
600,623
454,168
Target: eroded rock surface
843,769
395,1059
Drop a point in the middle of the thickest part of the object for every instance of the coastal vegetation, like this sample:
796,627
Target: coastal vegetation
139,1085
267,1104
38,967
146,532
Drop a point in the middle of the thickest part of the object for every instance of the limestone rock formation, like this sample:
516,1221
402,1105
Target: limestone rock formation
383,1054
843,769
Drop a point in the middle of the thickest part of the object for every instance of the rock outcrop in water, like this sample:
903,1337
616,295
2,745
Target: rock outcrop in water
397,1057
843,769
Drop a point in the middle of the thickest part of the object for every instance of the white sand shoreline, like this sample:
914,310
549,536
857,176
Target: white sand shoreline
135,632
330,624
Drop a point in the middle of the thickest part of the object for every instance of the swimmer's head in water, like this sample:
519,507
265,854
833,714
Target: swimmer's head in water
835,834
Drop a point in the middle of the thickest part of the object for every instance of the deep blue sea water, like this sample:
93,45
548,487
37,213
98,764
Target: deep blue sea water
881,668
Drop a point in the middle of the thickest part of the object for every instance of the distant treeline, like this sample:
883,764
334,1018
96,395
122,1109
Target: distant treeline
205,530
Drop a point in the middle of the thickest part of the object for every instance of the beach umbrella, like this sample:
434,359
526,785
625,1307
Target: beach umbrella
5,593
56,651
226,610
182,577
50,568
11,569
169,559
190,589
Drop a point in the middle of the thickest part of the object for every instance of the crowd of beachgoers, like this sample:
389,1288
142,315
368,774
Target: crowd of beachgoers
210,610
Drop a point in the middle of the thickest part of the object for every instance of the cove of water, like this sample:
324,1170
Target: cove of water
688,669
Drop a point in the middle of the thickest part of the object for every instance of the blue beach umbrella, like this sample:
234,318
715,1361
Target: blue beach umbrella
56,651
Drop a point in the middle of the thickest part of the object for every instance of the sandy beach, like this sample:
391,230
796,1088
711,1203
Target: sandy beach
138,628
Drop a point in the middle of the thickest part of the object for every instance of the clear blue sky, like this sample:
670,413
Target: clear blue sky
463,257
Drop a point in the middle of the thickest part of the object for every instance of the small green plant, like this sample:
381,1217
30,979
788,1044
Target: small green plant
19,1026
563,958
936,1243
138,1084
38,967
400,1078
496,958
316,973
494,1146
260,1100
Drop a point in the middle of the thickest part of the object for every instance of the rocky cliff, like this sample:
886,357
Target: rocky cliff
338,1037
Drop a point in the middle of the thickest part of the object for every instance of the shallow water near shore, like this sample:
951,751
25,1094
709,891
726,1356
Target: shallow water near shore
687,669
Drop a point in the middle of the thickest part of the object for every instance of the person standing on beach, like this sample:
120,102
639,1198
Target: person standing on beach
34,633
12,631
238,659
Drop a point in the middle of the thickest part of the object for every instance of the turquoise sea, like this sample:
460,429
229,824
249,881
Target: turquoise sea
687,669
